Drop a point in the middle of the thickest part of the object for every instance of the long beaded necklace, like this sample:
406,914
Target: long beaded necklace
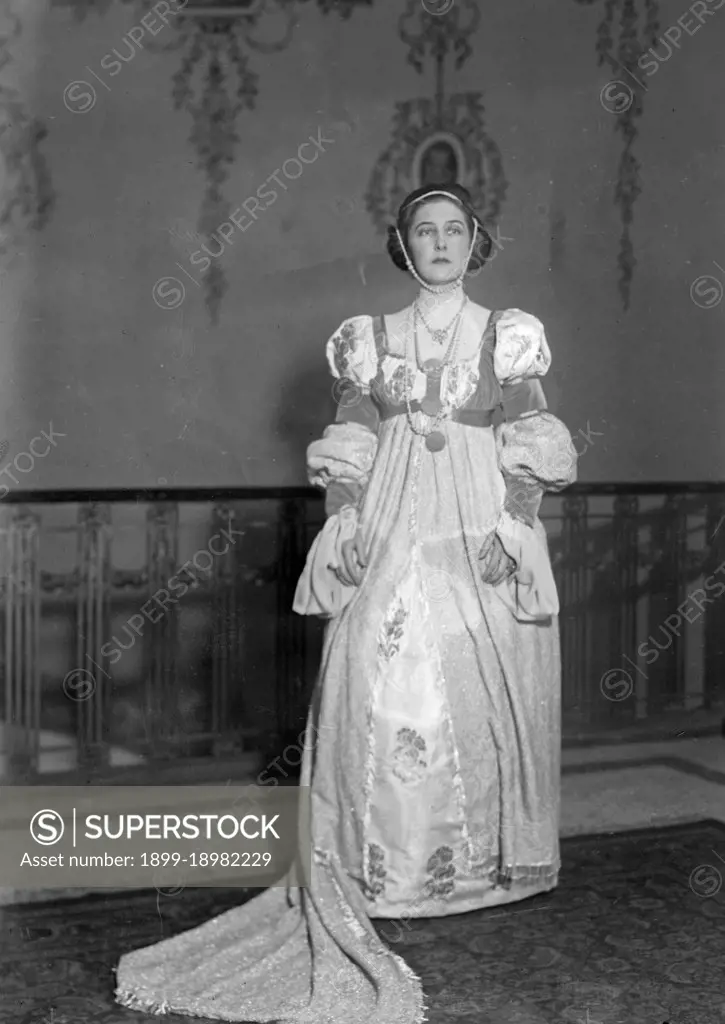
431,404
433,368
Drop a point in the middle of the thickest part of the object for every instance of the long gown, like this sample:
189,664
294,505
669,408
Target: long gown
433,740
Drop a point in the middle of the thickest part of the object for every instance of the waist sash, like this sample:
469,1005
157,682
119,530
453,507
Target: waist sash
468,417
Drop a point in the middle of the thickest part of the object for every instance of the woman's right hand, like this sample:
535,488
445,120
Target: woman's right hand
354,561
496,565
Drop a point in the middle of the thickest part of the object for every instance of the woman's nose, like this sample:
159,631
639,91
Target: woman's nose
440,242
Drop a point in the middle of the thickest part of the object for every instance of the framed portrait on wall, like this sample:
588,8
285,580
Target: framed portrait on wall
439,160
434,145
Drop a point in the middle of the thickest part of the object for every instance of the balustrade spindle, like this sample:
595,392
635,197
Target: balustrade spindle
571,580
88,684
22,643
291,684
691,617
714,629
227,655
676,520
642,598
625,530
161,679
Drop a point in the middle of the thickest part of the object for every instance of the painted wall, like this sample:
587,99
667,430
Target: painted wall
142,394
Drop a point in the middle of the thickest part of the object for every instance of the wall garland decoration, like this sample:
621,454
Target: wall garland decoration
638,27
27,195
215,83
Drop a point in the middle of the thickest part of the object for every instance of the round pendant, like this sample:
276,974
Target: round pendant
435,442
431,406
432,368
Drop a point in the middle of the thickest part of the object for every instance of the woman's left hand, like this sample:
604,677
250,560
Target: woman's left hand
496,565
354,561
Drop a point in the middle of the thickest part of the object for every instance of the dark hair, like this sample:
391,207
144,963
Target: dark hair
462,197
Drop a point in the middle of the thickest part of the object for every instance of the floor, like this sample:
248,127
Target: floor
632,934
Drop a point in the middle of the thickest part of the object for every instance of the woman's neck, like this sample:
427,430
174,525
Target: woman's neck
435,304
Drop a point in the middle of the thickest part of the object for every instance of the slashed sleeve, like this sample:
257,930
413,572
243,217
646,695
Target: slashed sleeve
342,459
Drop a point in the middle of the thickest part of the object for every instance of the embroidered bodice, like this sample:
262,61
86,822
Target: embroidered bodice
513,348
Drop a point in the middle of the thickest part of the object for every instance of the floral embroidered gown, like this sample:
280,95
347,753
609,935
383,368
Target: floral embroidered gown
433,740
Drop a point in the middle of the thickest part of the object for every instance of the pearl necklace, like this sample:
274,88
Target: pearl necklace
439,334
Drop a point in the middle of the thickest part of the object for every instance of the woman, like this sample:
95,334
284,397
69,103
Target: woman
434,733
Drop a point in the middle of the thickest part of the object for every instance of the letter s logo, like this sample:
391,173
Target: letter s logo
47,827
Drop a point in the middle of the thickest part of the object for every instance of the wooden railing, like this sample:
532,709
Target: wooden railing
192,650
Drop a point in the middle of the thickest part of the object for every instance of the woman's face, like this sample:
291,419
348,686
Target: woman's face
439,241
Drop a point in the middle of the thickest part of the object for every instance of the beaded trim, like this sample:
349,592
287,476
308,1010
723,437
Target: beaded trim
433,192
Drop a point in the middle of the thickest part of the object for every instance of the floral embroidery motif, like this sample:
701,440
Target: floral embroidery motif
442,872
345,346
521,347
518,347
461,384
392,632
409,765
377,874
401,382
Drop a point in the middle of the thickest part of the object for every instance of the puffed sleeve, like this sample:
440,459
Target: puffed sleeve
521,356
341,461
535,454
535,450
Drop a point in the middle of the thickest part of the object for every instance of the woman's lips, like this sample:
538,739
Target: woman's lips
441,259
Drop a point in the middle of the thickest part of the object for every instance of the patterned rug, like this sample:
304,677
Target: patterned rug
633,935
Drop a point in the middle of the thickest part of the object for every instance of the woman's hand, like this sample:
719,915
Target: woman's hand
354,561
496,565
